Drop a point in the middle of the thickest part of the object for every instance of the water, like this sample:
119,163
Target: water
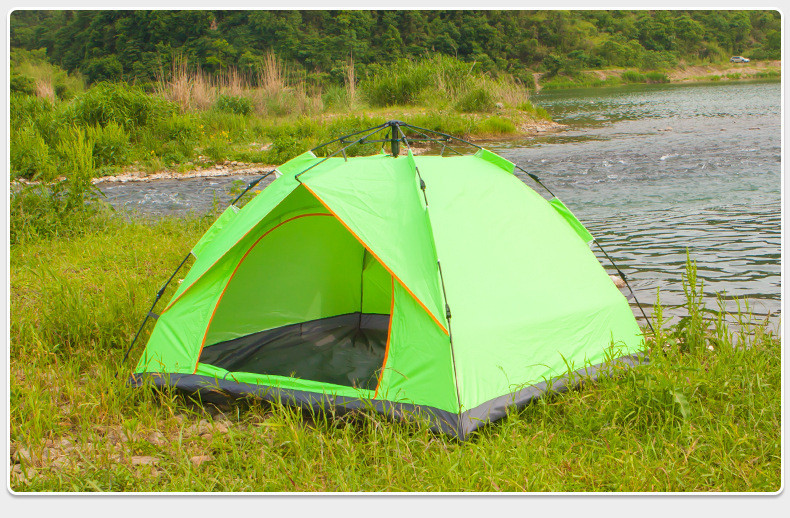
651,170
655,170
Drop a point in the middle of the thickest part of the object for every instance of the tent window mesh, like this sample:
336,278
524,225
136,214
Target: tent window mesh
343,350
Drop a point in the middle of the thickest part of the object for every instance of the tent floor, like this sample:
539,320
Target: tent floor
344,350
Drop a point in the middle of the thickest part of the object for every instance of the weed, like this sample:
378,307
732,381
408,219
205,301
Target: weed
234,104
477,100
110,144
496,125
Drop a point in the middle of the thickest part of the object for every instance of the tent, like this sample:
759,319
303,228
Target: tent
435,287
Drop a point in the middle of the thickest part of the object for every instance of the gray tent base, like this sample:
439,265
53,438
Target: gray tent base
460,426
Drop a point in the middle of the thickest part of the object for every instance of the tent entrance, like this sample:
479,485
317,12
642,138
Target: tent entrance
308,301
343,350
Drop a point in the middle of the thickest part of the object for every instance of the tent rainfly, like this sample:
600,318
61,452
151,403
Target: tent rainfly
340,285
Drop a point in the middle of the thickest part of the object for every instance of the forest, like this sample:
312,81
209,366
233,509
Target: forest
135,46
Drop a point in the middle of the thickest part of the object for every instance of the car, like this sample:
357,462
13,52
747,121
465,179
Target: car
739,59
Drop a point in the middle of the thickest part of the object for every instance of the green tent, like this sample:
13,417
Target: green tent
434,286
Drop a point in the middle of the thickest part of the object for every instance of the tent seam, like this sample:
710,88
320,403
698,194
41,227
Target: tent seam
420,302
219,300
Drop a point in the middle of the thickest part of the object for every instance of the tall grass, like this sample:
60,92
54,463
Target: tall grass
193,119
440,81
701,418
63,206
31,73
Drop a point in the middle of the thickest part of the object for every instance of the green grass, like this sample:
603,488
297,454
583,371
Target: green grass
583,81
703,415
191,122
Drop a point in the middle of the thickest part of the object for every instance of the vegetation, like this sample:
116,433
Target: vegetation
135,45
194,120
703,415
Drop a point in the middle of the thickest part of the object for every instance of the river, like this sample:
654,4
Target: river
651,170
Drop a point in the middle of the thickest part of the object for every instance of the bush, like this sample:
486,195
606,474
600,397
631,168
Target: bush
652,60
477,100
30,154
62,207
398,84
656,77
632,76
34,67
183,129
234,104
106,68
283,149
126,105
23,84
111,144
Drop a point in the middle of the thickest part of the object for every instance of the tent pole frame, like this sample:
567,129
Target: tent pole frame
396,136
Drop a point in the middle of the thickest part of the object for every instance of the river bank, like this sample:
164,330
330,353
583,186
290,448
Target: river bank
592,78
505,125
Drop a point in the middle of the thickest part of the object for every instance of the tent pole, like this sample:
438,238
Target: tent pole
251,185
622,276
448,315
150,311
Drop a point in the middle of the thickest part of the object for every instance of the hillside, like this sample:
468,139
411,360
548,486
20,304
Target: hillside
137,45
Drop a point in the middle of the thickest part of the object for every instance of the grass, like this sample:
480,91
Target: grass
703,415
191,120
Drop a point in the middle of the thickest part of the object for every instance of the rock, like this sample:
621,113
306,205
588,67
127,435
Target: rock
157,438
139,460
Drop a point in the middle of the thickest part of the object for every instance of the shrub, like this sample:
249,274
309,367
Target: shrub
62,207
23,84
656,77
182,128
398,84
477,100
217,147
126,105
106,68
30,154
111,144
283,149
34,66
632,76
234,104
652,60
